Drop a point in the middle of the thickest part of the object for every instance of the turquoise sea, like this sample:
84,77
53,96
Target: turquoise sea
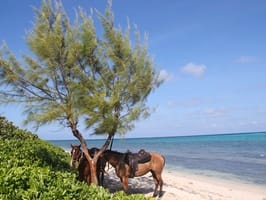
240,157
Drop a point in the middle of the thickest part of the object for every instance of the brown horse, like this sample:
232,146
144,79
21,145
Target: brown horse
77,158
123,170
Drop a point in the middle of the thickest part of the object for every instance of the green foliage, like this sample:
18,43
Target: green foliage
8,131
34,169
122,196
125,78
77,73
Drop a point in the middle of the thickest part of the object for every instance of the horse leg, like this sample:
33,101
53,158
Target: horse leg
156,182
161,187
100,170
124,181
98,173
102,178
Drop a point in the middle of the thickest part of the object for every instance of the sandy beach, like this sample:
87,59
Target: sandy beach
184,186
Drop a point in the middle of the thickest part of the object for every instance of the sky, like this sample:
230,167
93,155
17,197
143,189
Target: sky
212,55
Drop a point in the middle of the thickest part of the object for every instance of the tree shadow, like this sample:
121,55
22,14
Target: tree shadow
137,185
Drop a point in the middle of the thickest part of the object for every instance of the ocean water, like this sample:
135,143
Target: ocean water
241,157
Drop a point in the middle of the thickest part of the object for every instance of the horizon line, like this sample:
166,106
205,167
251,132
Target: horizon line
169,136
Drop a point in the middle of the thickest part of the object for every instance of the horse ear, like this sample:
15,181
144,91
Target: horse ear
79,145
72,145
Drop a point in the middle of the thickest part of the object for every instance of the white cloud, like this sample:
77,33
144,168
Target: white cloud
165,76
193,69
246,59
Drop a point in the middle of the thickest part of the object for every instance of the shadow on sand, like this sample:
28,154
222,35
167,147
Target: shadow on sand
137,185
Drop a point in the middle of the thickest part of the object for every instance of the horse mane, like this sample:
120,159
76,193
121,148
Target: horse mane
114,152
120,155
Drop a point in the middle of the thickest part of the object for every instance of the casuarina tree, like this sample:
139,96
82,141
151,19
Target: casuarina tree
74,73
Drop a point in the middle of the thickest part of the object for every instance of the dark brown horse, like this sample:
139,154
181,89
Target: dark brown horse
123,170
78,160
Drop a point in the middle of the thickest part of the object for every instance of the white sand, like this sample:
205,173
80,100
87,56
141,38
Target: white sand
184,186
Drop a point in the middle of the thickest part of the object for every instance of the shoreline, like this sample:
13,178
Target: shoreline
212,174
182,185
185,186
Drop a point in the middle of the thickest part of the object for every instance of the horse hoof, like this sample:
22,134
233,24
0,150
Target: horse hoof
161,194
154,194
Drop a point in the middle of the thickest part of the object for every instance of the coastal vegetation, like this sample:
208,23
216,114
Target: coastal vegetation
34,169
75,73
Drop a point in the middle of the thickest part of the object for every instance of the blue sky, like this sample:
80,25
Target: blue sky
211,53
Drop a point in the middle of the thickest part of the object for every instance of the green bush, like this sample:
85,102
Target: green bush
34,169
9,131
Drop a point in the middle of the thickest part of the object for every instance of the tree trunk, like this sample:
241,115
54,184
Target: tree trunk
84,146
93,170
92,161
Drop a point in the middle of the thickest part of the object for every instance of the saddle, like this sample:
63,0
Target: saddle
134,158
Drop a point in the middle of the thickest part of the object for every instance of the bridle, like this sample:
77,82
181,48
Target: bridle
78,155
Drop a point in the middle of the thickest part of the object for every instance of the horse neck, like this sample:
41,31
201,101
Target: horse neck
113,157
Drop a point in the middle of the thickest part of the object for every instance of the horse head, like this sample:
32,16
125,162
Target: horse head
76,154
